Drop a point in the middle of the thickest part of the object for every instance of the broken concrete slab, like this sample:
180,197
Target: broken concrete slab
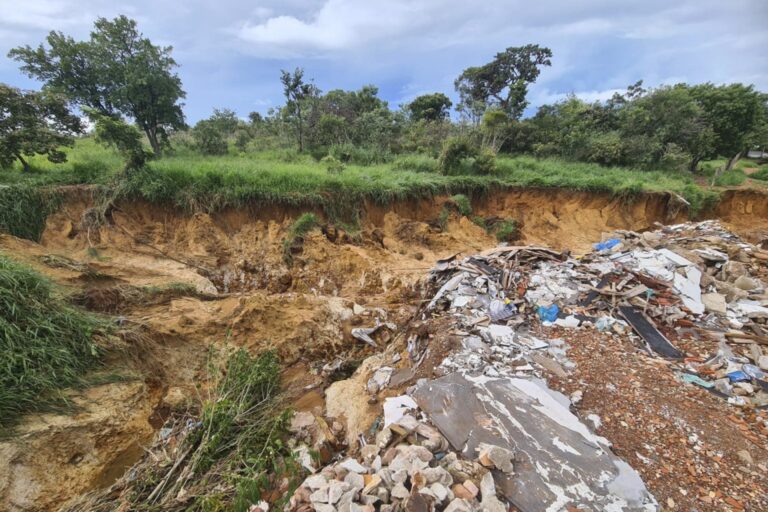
558,460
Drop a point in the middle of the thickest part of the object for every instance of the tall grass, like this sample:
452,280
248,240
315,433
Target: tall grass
24,208
282,176
45,344
225,459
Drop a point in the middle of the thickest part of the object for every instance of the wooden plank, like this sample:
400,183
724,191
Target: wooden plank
657,341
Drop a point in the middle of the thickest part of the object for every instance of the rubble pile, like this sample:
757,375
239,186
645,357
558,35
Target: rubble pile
693,294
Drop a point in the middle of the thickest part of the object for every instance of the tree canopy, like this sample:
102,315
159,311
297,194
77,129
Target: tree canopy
503,82
116,72
34,123
430,107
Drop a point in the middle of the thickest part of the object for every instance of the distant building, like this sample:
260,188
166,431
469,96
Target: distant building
757,154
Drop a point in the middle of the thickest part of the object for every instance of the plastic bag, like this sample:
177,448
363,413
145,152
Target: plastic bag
501,310
548,313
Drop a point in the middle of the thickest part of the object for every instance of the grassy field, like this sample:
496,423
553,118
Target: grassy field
200,183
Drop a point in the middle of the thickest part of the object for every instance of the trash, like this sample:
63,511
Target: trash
548,313
501,310
753,371
695,379
738,376
396,407
606,245
649,333
364,333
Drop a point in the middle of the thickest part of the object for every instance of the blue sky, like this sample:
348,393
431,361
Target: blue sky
231,51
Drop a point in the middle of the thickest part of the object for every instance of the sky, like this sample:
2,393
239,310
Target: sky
231,52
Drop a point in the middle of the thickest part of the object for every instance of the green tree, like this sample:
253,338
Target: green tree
117,71
494,125
734,111
34,123
430,107
298,94
125,138
209,139
503,82
224,120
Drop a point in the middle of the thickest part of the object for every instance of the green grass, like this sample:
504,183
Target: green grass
45,345
24,209
762,174
732,178
462,203
506,231
199,183
300,227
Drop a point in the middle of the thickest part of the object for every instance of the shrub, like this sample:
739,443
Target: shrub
732,178
208,139
24,209
762,174
460,157
506,231
415,163
332,165
462,204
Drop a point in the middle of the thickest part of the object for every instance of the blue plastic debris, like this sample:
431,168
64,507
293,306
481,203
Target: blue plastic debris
738,376
548,313
607,245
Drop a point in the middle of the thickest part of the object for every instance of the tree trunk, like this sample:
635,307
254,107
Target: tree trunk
733,161
300,127
153,142
24,163
694,164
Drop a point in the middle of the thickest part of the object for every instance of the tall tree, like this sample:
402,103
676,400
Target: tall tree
734,111
297,93
34,123
430,107
503,82
117,72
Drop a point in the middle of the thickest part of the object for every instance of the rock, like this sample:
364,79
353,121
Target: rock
487,486
369,452
380,379
358,309
462,492
301,420
356,480
458,505
496,457
462,470
440,491
418,503
388,456
400,492
353,466
319,496
336,489
714,302
746,283
471,487
762,362
372,484
399,476
324,507
732,270
315,482
411,458
439,475
745,457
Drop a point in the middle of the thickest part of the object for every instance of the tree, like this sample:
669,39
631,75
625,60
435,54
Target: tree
225,121
494,124
297,93
116,72
209,138
34,123
430,107
734,111
125,138
503,82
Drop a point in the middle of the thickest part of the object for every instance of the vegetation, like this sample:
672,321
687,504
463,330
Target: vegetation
116,72
46,344
462,204
227,457
300,227
24,209
34,123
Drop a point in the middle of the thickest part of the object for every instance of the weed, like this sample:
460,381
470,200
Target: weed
300,227
23,210
732,178
442,219
462,204
762,174
506,231
480,222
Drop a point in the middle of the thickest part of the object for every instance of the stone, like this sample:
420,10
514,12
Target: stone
368,452
301,420
315,482
419,503
487,486
746,283
356,480
358,309
439,491
380,379
372,484
399,476
462,492
319,496
400,492
762,362
714,302
471,487
336,489
745,457
438,474
353,466
492,456
458,505
388,456
324,507
732,270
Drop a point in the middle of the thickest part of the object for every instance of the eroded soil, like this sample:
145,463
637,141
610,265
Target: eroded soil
243,293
